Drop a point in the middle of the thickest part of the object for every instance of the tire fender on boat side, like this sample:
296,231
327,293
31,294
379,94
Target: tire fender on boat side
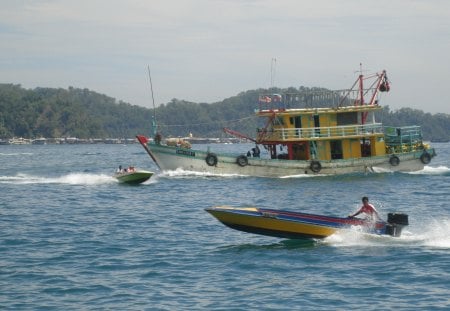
211,159
315,166
425,158
242,160
394,160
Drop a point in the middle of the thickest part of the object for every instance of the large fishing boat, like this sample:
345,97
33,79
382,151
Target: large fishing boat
326,132
295,225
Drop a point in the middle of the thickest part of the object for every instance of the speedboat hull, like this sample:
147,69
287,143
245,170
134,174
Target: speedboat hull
294,225
136,177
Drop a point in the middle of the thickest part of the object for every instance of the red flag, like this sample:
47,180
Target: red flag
142,139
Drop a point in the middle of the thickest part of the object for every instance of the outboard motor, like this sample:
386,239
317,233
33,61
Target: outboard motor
396,222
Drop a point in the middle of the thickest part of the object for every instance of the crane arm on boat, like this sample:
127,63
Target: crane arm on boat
237,134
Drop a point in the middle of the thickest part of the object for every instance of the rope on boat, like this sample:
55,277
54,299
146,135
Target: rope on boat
206,123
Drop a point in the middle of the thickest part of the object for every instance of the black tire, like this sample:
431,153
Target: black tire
394,160
211,159
315,166
242,160
425,158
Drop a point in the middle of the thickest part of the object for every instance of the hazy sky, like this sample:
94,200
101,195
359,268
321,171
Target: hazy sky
208,50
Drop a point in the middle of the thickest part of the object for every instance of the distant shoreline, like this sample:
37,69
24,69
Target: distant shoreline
109,141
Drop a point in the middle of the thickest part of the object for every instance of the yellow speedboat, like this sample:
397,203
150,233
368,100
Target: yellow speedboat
295,225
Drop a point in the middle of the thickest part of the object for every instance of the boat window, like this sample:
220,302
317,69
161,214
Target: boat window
347,118
336,149
316,121
297,125
317,124
365,148
299,152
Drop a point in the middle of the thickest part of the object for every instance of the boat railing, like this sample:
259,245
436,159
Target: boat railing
337,132
403,139
312,98
404,134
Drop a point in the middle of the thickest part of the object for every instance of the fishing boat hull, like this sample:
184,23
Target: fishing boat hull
172,158
136,177
294,225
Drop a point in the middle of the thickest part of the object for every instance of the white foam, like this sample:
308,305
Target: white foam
429,170
15,154
186,173
355,236
434,234
303,175
376,169
72,179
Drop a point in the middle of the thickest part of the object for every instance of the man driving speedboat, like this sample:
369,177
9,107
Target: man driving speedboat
367,209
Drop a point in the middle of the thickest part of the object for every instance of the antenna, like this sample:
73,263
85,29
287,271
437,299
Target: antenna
273,65
154,124
361,71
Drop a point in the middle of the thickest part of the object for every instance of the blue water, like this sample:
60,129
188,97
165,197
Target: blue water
72,238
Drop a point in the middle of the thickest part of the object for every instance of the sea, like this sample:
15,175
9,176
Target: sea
73,238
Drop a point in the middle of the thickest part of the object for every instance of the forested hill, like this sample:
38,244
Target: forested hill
51,113
81,113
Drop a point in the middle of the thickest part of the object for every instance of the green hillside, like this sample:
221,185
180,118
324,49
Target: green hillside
81,113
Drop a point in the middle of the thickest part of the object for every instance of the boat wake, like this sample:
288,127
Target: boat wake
14,154
435,234
303,176
430,170
70,179
185,173
381,170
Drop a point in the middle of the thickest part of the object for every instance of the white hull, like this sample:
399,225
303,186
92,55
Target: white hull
172,158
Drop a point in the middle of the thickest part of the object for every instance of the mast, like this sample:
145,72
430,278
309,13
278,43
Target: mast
361,86
154,124
272,71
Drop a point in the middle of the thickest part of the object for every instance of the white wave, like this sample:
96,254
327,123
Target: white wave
356,236
435,234
303,176
71,179
15,154
429,170
376,169
185,173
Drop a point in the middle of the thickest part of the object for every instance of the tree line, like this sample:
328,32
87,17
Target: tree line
81,113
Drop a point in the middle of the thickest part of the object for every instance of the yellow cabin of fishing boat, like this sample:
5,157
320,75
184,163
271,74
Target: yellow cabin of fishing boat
325,133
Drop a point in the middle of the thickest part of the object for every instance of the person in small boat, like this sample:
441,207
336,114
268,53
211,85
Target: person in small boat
256,152
367,209
119,170
158,138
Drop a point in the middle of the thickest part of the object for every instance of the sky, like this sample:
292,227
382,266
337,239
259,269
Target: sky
207,50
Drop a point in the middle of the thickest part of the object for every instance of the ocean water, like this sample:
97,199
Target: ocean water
72,238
